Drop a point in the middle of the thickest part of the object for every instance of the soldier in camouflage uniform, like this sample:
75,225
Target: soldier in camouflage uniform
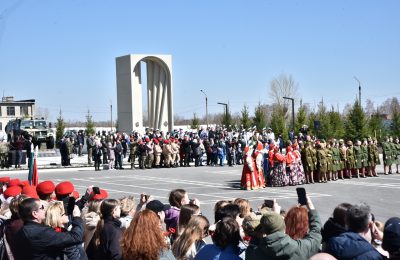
358,157
397,154
309,161
350,163
364,162
329,161
322,165
335,159
373,157
343,159
387,155
133,147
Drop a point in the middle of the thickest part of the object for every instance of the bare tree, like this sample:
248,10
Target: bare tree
369,108
283,86
42,112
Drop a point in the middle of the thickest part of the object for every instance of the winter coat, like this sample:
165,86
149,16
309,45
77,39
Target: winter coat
279,245
351,245
213,252
331,229
172,217
110,237
43,242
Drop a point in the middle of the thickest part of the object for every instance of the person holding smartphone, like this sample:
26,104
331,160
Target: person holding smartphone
277,244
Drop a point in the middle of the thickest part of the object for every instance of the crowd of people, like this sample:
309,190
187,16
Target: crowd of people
53,222
266,160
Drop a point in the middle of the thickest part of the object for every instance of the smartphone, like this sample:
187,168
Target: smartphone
69,205
301,194
269,203
96,190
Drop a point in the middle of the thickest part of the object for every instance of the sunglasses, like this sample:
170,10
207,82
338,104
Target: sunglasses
41,207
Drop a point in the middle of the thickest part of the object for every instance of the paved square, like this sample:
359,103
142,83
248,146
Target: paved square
211,184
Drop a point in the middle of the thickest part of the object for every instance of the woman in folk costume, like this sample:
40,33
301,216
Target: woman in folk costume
258,159
298,165
249,178
290,168
278,176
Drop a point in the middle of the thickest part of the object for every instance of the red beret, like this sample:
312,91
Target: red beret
12,191
4,179
103,195
25,183
160,138
64,188
14,182
30,191
155,141
45,187
147,139
166,142
76,194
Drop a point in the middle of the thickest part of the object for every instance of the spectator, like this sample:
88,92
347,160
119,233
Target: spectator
335,225
42,242
244,206
14,224
355,244
56,219
177,198
105,242
191,240
296,222
391,238
91,218
187,211
144,238
128,210
277,245
225,242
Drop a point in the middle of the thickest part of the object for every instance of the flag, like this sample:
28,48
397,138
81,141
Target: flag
35,176
30,166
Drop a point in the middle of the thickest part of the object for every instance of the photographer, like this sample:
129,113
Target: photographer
276,244
355,244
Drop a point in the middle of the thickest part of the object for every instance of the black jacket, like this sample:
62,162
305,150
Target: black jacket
110,237
37,241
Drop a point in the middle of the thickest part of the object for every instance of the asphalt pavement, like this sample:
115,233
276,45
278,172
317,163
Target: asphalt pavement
211,184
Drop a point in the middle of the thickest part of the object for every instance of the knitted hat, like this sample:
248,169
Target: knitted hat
64,188
30,191
251,222
272,222
45,187
12,191
391,235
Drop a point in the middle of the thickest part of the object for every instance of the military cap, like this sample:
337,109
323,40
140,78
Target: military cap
45,188
30,191
12,191
64,188
103,195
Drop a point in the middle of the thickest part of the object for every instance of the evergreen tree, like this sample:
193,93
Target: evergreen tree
395,125
245,119
337,124
375,126
301,117
356,123
278,124
90,128
195,122
227,119
60,127
259,118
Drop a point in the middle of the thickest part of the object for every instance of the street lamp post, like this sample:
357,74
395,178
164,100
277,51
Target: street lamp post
359,89
202,91
226,107
291,99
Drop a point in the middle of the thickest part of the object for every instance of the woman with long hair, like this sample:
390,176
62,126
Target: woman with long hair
296,221
144,238
187,211
56,218
191,240
91,218
177,198
105,242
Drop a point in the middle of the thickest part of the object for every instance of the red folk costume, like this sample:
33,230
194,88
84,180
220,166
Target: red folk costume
258,158
249,173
